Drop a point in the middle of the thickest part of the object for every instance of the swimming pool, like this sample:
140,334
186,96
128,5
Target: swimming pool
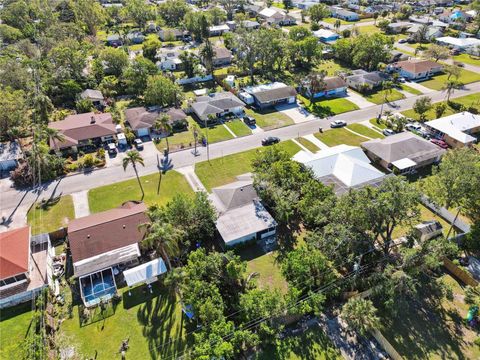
97,287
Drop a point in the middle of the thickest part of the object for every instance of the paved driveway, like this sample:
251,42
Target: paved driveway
295,112
358,100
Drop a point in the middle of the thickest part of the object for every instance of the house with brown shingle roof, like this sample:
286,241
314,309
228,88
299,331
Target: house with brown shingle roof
141,119
83,129
332,87
23,265
416,69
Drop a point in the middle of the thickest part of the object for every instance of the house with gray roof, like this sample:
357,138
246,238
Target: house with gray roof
362,80
241,215
216,105
267,95
141,119
95,96
404,152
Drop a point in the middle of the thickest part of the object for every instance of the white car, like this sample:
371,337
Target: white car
337,124
388,132
413,127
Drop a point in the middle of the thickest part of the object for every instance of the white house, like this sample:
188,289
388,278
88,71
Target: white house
241,215
457,129
217,30
469,45
415,69
168,60
342,166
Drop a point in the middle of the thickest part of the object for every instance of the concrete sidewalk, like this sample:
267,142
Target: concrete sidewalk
80,203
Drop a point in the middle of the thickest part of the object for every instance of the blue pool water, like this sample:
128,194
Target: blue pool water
99,287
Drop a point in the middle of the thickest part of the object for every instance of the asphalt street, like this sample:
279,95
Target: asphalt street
15,203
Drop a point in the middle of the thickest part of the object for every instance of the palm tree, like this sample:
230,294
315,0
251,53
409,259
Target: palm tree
162,123
51,135
360,314
164,238
133,158
337,24
315,84
450,87
195,130
387,88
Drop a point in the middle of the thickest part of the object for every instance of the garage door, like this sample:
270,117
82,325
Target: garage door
142,132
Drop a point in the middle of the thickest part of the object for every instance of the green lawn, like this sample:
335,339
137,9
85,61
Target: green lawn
113,195
310,345
410,89
467,101
269,119
335,137
468,59
366,131
308,144
375,123
14,327
154,323
54,216
266,267
330,66
185,139
379,96
328,107
239,128
224,170
332,20
437,82
370,29
432,330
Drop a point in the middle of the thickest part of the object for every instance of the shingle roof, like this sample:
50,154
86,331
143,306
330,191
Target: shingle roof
401,146
14,252
80,127
216,103
417,66
334,83
92,94
274,94
140,117
222,53
235,194
106,231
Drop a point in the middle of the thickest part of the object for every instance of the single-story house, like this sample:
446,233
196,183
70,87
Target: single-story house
268,95
172,34
10,153
25,265
241,215
303,4
246,24
342,166
333,86
222,56
326,36
82,130
168,60
432,33
362,80
415,69
141,119
217,30
396,56
217,105
398,27
136,37
403,152
457,129
276,17
468,45
345,14
114,40
95,96
104,244
252,10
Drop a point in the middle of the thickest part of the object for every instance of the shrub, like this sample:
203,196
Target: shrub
88,160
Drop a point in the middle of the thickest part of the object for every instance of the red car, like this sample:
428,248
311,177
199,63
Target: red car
440,143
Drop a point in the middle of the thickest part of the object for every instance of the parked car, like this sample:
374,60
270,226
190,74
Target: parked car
337,124
249,120
138,144
388,132
402,79
402,41
440,143
425,134
270,140
413,127
112,148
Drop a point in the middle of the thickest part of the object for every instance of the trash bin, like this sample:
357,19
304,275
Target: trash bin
320,130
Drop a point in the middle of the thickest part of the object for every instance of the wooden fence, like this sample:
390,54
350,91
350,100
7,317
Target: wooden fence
459,273
384,343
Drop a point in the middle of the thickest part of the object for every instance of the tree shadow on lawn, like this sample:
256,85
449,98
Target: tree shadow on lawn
321,111
423,328
310,345
158,316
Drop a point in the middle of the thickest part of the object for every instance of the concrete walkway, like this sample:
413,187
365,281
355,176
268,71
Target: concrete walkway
230,131
257,129
419,87
80,203
368,124
406,93
192,178
358,134
317,142
358,100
